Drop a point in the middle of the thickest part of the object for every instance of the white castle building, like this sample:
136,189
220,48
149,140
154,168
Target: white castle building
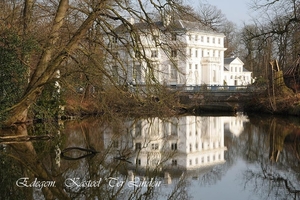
172,52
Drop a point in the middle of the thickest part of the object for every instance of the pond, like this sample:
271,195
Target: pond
186,157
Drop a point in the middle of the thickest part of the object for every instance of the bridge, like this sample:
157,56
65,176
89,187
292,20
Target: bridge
209,92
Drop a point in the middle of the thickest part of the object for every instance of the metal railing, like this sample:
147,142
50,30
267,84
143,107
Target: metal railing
213,88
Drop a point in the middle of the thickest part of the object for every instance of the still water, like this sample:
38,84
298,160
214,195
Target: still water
186,157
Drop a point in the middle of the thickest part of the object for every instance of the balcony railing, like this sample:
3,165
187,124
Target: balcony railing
211,60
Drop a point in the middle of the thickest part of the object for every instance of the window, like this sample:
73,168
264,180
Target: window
154,146
191,148
173,53
174,162
214,75
115,72
196,146
137,54
174,37
138,128
190,54
115,144
154,37
196,37
115,39
196,66
154,53
202,39
174,146
115,54
191,162
138,146
207,39
174,124
196,53
196,161
173,76
190,37
137,72
138,162
190,66
214,40
219,40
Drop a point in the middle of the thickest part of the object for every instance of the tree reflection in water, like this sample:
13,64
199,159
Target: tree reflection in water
275,175
152,158
107,175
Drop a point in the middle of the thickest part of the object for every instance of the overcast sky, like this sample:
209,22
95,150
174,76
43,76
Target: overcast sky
236,11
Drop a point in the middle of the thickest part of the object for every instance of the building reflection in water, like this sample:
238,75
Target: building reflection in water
187,144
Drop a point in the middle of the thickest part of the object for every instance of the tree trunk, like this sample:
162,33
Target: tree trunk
48,65
278,84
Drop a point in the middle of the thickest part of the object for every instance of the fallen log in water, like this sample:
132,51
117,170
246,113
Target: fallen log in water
24,138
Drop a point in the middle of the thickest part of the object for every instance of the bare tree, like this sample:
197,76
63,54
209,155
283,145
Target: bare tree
66,32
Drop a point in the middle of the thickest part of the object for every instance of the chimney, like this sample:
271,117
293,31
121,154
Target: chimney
232,55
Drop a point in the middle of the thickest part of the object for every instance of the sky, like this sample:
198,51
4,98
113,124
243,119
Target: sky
236,11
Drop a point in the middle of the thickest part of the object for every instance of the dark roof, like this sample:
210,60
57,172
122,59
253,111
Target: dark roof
174,25
227,61
245,70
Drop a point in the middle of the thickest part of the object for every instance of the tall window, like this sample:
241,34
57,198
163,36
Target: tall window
196,53
207,39
154,37
138,128
115,55
174,162
174,127
137,54
214,75
138,146
154,53
173,73
174,146
115,73
202,39
196,37
115,144
174,37
137,72
115,39
174,53
154,146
